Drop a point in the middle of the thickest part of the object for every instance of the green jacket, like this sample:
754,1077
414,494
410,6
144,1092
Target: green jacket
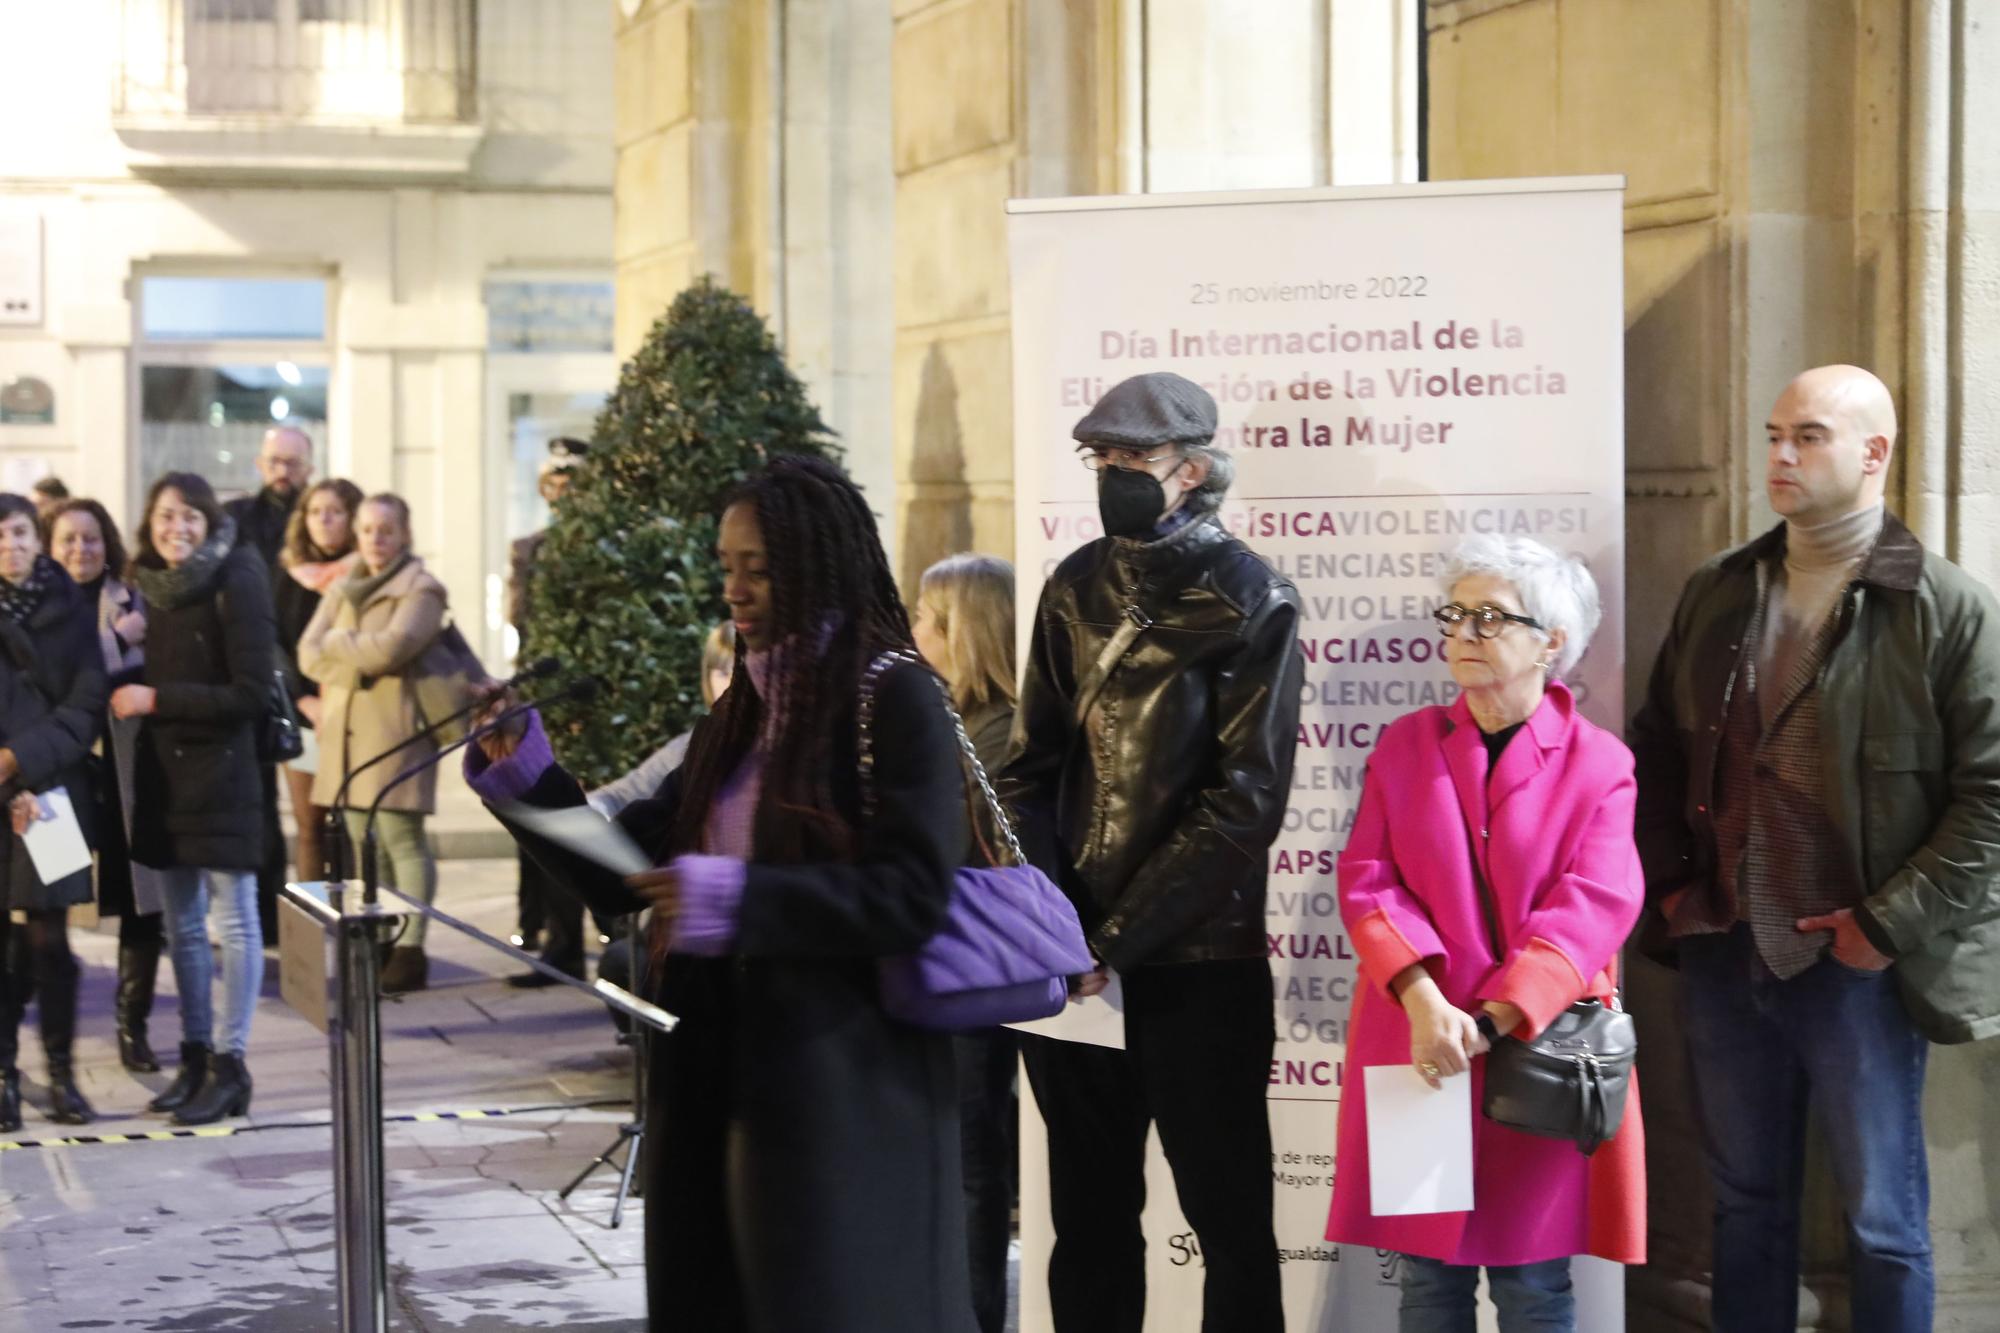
1910,732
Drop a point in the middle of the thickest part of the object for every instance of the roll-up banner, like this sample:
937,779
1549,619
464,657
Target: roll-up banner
1396,368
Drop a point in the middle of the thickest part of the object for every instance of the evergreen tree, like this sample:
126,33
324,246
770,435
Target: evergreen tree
626,584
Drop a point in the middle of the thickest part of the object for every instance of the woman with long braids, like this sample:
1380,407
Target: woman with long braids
803,1170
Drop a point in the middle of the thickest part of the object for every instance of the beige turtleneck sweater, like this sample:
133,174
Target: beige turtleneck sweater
1819,562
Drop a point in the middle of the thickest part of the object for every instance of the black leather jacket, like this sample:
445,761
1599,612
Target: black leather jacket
1157,817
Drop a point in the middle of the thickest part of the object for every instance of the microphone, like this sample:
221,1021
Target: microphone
578,691
335,840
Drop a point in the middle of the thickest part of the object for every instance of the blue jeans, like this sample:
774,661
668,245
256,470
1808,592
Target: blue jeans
234,893
1838,1042
1439,1297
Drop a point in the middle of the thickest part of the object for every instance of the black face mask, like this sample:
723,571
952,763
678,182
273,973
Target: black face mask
1130,501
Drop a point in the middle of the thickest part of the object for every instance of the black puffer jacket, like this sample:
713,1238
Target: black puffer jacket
1156,818
210,648
52,690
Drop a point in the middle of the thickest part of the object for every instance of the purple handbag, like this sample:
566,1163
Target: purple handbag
1010,940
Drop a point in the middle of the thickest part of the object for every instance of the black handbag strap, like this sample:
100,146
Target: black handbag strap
871,680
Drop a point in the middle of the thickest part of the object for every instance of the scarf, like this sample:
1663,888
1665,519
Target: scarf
361,585
172,587
18,601
318,575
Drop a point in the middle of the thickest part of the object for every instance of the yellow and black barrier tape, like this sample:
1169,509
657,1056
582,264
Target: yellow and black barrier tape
226,1131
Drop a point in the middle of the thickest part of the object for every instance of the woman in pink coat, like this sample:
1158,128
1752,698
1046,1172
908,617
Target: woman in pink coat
1513,774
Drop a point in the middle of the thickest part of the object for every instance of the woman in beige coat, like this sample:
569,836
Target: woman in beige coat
374,634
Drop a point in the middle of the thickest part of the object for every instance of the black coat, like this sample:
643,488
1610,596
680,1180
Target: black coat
294,604
1157,818
803,1164
260,524
52,692
198,800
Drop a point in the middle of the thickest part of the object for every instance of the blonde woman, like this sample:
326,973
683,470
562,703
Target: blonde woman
373,634
964,626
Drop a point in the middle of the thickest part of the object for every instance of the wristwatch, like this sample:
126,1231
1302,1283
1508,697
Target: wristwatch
1486,1027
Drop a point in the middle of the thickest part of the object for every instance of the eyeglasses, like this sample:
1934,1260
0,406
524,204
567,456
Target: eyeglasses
1487,621
1132,460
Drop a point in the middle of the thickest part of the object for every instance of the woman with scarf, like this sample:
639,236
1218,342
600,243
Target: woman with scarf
318,553
367,645
197,812
802,1153
86,543
51,705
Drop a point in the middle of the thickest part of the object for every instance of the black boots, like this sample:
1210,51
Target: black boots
10,1101
66,1103
227,1092
194,1069
138,965
407,969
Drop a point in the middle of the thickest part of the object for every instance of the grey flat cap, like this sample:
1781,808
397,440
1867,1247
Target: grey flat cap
1150,410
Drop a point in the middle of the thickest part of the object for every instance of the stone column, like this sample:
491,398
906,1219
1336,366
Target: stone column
1807,183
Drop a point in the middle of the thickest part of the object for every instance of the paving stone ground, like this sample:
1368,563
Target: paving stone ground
235,1232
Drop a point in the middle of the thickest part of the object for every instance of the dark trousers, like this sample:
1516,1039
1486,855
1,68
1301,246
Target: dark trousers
1764,1052
1196,1065
35,961
271,868
987,1127
547,906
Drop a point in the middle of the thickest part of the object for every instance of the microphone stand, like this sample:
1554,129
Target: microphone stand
337,861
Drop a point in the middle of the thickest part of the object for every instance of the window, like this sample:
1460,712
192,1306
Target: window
220,361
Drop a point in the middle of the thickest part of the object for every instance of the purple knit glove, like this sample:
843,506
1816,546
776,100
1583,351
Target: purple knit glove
499,782
711,898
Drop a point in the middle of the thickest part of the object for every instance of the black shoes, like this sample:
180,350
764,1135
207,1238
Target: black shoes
407,970
194,1069
67,1105
10,1101
226,1092
537,980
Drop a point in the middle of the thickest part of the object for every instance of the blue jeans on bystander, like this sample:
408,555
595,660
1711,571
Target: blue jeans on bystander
234,893
1531,1298
1837,1041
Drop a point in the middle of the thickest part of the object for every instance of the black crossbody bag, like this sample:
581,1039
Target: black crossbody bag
1570,1080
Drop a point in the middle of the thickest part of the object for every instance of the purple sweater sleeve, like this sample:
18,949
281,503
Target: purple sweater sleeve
497,782
711,898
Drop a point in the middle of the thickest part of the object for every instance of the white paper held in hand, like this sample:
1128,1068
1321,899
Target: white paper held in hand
1098,1020
55,840
1419,1142
581,830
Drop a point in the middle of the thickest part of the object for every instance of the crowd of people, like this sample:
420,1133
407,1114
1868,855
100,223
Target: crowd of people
139,687
1806,822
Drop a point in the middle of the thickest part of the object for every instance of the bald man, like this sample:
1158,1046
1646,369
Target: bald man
1819,815
285,462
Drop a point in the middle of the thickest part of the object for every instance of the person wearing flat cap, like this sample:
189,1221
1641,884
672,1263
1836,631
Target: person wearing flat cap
1148,772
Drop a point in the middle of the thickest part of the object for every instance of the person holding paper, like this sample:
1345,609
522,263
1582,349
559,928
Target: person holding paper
1151,762
1488,884
86,543
51,706
964,626
318,553
374,634
802,1146
197,813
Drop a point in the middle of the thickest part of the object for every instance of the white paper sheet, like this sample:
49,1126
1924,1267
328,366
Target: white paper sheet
1419,1142
582,830
1096,1021
55,840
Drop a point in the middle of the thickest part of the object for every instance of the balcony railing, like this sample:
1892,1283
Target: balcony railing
357,62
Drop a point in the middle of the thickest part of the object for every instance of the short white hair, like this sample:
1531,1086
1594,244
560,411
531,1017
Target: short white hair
1554,588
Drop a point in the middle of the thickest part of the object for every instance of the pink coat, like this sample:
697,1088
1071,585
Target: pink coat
1555,827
